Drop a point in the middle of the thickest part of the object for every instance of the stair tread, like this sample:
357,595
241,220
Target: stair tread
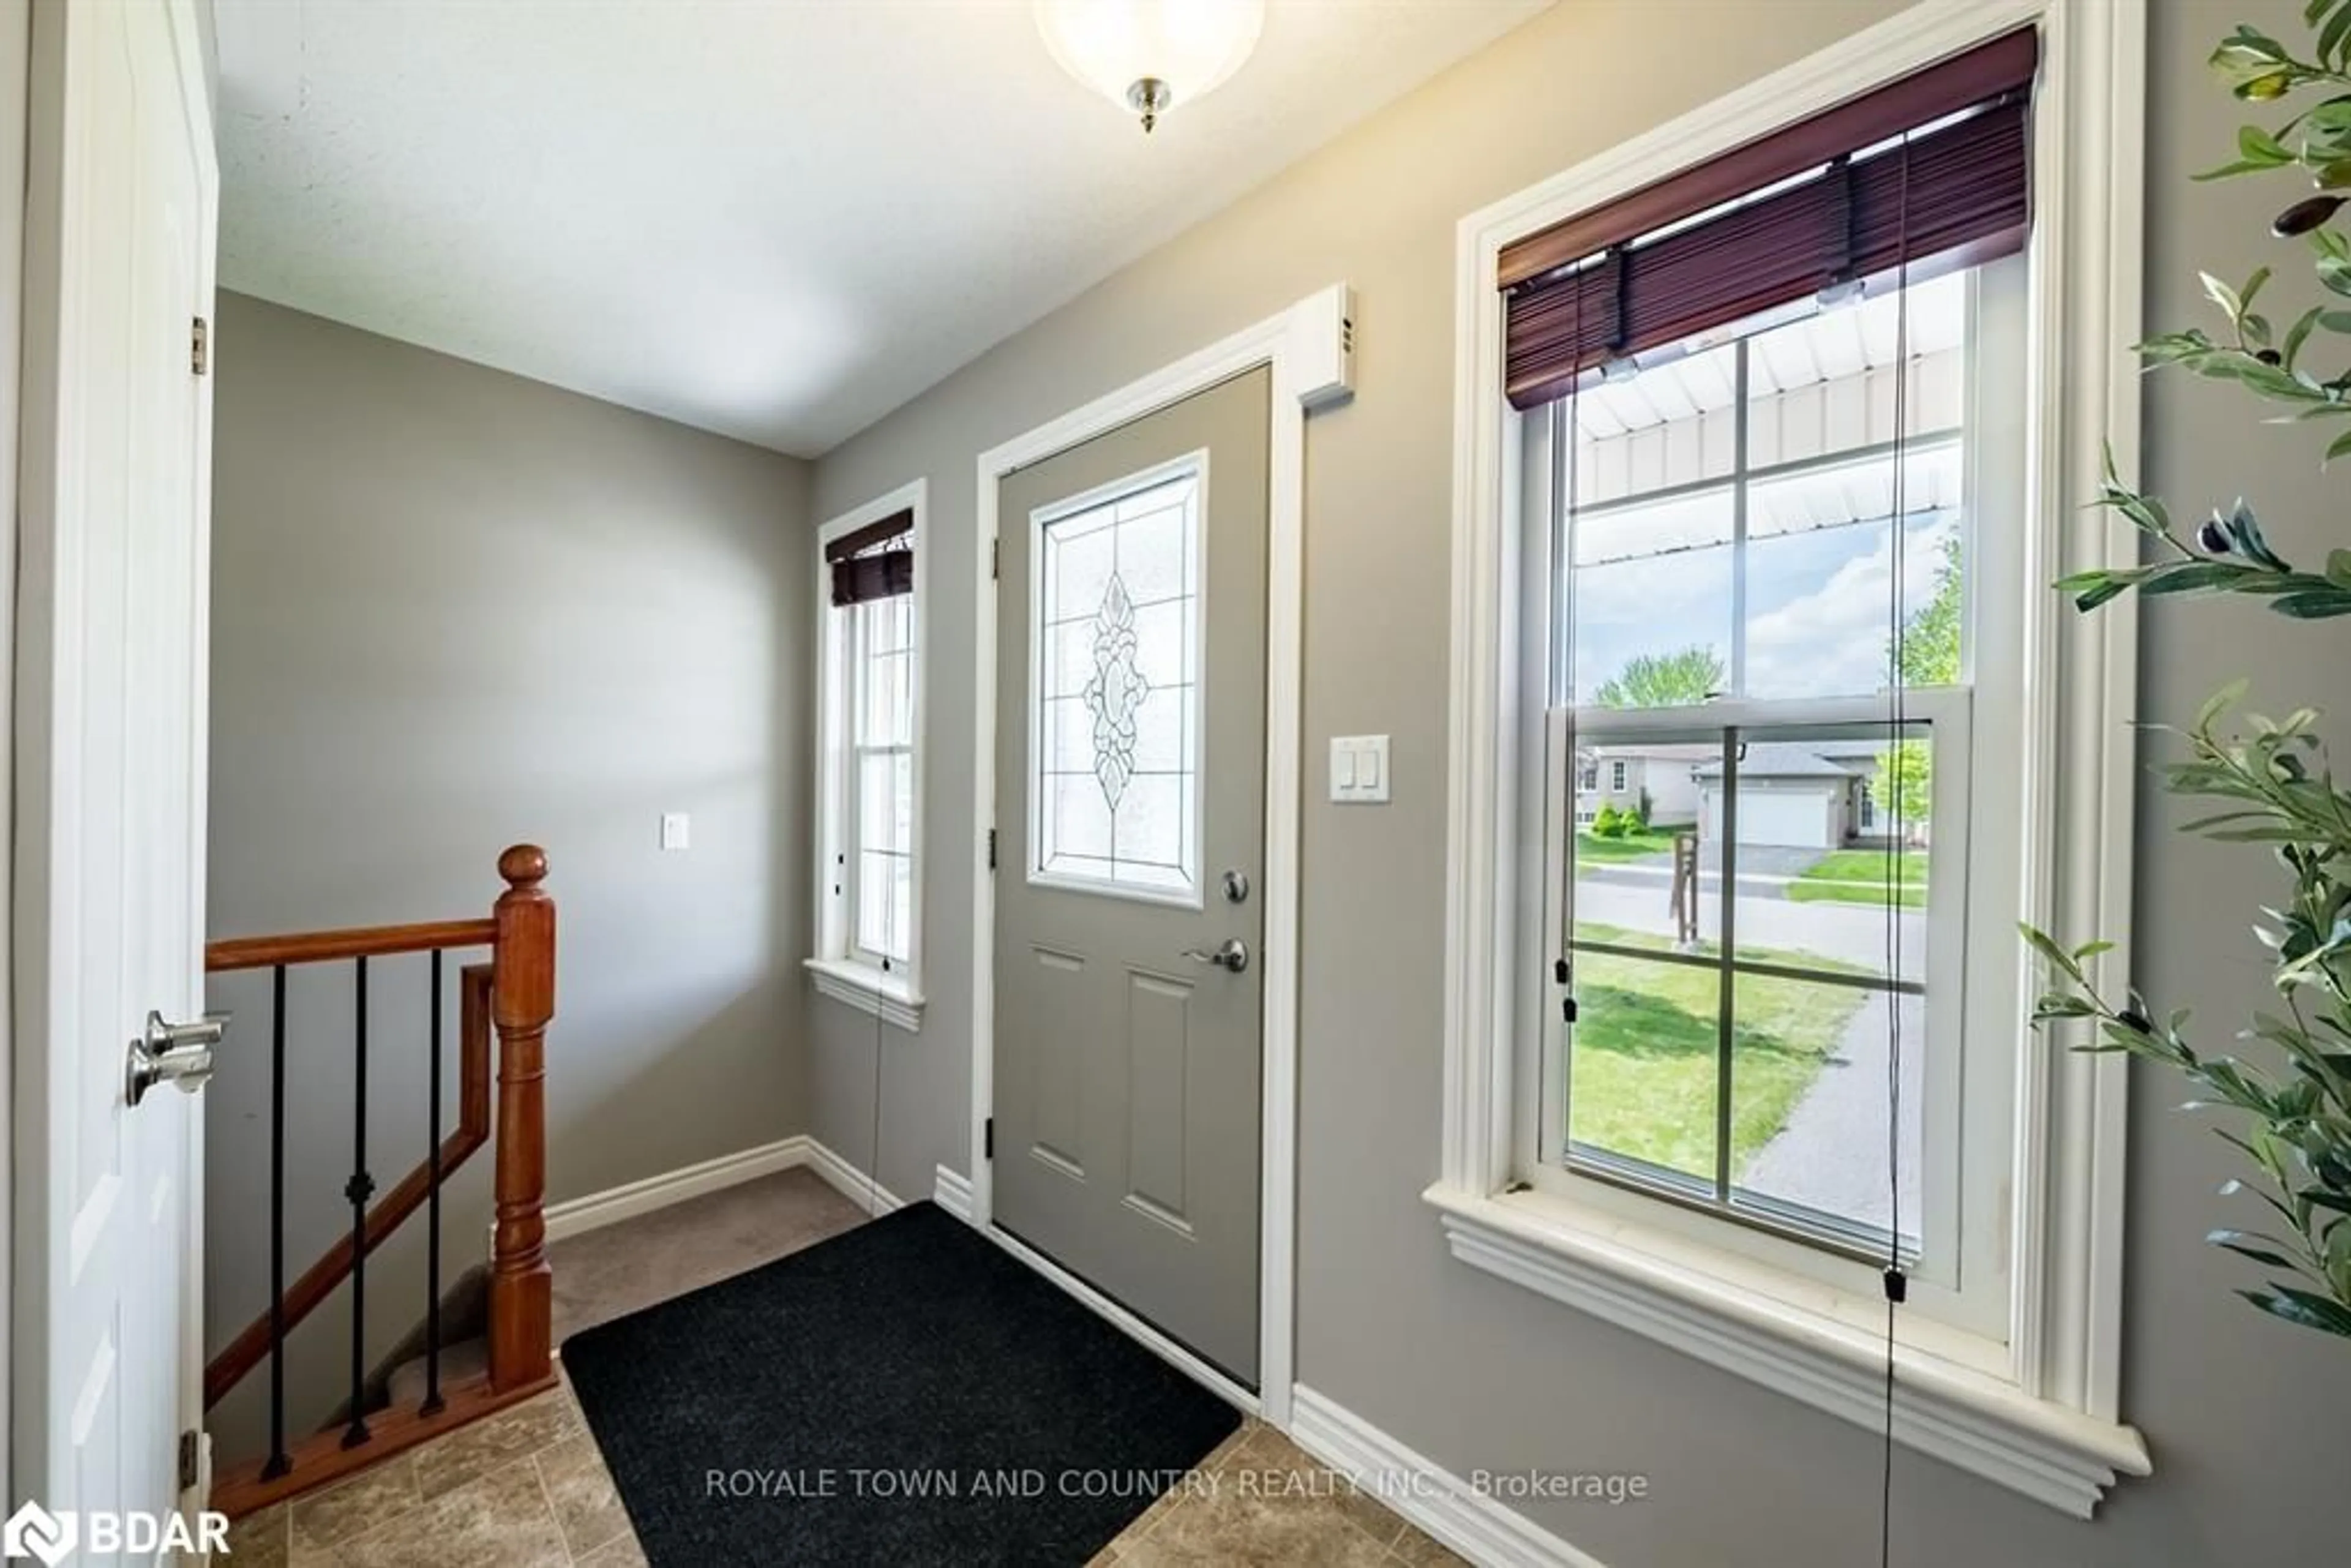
467,1358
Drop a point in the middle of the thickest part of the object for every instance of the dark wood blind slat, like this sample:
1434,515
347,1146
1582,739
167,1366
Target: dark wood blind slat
1956,196
865,578
871,534
2006,64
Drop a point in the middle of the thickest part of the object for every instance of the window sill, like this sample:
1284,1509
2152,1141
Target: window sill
869,990
1646,1283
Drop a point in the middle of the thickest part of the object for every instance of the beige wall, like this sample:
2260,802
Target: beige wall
452,610
1472,1371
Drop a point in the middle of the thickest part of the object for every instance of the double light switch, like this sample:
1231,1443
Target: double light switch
1359,770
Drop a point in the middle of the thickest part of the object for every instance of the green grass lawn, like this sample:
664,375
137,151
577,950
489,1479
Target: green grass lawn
1645,1070
1860,876
1593,850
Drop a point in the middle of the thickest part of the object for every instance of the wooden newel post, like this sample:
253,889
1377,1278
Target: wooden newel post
522,999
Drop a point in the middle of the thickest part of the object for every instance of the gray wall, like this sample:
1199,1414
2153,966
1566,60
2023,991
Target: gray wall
1470,1370
453,609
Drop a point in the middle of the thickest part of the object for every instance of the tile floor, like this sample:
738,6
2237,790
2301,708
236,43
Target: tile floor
527,1487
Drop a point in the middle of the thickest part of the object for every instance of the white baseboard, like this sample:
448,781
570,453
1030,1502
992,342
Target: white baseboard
849,1181
952,1192
576,1216
1474,1523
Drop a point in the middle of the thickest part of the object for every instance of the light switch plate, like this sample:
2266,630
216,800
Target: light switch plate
1359,770
677,830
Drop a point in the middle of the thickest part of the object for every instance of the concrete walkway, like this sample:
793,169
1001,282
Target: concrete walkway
1831,1154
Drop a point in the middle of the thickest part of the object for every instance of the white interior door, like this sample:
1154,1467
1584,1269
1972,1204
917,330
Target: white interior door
111,757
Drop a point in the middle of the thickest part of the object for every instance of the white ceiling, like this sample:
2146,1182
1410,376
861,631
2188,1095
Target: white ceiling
777,219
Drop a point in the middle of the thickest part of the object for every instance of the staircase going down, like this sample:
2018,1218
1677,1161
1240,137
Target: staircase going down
463,1363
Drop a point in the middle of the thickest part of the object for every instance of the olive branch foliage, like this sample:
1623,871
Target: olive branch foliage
2265,781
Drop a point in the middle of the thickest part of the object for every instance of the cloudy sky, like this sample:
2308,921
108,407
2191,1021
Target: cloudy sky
1817,606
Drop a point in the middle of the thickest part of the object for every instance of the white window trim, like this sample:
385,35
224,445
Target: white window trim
2043,1420
835,968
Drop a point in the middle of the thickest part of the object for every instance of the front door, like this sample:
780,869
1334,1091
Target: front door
1129,790
109,766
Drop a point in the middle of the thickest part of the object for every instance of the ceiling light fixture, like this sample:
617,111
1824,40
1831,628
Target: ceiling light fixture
1151,54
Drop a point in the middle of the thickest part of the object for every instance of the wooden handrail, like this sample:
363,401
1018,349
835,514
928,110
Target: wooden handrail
514,995
522,1297
359,942
245,1352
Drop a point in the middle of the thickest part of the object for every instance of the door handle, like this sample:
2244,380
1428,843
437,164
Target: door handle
179,1053
1231,955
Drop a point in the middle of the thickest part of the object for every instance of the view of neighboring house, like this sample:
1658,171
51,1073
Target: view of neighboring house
1795,794
1654,783
1792,794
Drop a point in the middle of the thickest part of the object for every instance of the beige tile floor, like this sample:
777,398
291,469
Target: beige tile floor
527,1487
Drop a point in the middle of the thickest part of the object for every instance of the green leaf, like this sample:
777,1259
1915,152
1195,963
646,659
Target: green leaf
2220,294
2255,145
2317,604
2262,1249
2191,577
2299,333
2047,945
2331,37
2315,1312
2341,443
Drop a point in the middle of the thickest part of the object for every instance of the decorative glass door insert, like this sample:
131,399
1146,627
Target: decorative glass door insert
1114,720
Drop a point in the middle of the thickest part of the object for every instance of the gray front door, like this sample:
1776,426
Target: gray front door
1130,800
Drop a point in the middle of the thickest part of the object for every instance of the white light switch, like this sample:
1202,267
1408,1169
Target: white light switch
677,831
1359,770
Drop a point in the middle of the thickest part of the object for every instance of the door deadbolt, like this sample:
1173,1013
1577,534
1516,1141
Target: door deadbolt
1236,888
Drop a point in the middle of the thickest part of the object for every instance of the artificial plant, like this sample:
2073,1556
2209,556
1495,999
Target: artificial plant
2267,781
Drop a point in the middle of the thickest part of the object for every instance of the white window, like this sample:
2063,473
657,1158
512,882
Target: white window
1741,514
1115,734
870,683
1708,1081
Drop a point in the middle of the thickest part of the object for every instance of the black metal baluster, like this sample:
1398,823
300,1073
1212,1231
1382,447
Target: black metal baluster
279,1462
360,1189
433,1212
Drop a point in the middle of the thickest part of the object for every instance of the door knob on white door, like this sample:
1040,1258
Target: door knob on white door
179,1053
1232,953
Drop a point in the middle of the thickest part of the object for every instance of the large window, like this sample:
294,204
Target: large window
1762,640
869,692
1776,423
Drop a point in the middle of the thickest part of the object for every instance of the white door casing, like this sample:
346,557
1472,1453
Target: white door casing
111,669
1310,348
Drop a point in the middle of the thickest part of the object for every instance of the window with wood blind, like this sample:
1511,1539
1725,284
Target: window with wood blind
869,688
1755,524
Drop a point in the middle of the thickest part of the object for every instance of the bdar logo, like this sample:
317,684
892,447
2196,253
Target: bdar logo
33,1532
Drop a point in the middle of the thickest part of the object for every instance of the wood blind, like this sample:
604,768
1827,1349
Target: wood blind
857,577
1598,287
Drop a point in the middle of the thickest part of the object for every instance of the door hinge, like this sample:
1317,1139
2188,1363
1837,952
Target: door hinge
190,1445
987,1139
995,558
991,849
199,355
